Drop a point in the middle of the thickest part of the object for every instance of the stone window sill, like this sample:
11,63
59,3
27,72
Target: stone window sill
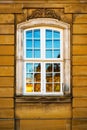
43,99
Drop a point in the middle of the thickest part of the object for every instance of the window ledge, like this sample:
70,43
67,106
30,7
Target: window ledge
43,99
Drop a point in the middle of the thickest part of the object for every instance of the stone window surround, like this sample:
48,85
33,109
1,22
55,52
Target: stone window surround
37,22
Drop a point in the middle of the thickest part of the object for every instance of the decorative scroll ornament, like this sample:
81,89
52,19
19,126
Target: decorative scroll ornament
43,13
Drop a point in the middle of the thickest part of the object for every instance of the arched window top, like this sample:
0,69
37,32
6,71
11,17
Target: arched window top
47,40
43,22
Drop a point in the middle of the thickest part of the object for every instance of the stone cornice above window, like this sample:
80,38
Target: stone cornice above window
43,13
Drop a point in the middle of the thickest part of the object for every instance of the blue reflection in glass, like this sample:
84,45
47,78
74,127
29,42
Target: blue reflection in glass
29,43
37,33
56,54
36,43
29,77
37,67
49,54
48,44
36,53
29,53
56,34
57,44
29,67
29,34
49,34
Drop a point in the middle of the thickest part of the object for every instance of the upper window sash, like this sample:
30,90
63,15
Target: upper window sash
43,43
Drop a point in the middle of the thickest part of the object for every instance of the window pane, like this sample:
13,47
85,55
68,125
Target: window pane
48,44
48,34
48,87
56,87
28,43
36,43
37,33
37,77
36,53
56,44
29,53
37,67
29,34
56,54
49,77
37,87
56,34
48,67
56,77
29,87
29,67
48,53
29,77
56,67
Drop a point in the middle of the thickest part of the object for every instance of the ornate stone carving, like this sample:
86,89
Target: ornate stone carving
43,13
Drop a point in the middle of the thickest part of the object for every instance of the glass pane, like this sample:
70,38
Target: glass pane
56,54
49,54
37,87
57,44
29,43
48,67
48,44
48,87
37,33
37,67
29,67
29,77
29,53
56,77
56,87
49,77
56,34
36,53
48,34
29,87
36,43
56,67
29,34
37,77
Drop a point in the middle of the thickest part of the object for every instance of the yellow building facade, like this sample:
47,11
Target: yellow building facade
43,112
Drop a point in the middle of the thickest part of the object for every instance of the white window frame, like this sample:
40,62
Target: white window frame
65,53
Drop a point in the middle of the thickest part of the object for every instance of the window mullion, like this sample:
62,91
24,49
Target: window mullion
42,78
42,58
42,43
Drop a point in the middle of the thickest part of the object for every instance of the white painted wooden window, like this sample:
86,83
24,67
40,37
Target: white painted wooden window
43,57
